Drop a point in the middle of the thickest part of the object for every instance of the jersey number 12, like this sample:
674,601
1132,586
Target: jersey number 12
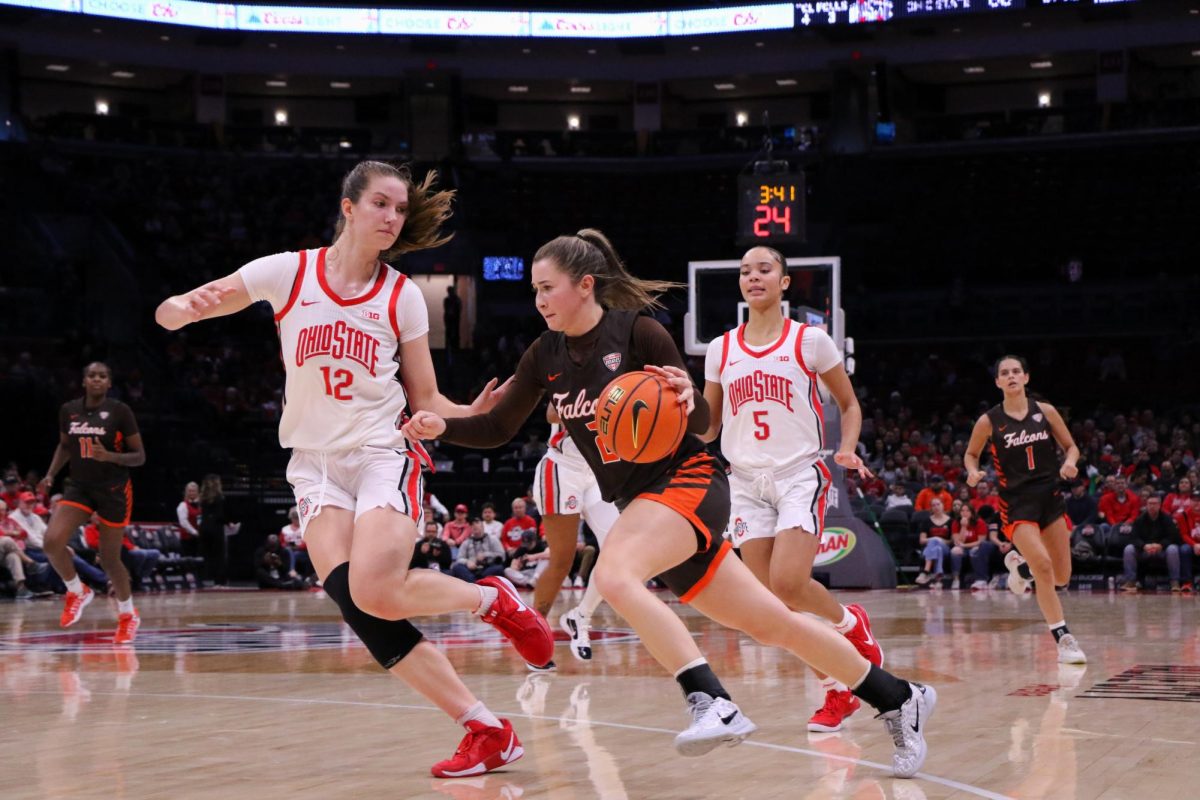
344,378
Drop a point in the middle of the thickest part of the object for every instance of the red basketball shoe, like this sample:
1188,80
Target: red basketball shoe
483,749
829,717
860,636
73,606
127,628
523,626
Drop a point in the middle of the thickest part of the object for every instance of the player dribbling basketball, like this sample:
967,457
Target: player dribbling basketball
673,511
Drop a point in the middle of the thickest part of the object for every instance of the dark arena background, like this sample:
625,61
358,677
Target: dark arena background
951,181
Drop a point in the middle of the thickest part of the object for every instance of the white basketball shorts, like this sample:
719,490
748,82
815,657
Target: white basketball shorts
358,480
564,488
761,505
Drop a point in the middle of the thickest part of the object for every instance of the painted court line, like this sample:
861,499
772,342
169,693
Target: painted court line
953,784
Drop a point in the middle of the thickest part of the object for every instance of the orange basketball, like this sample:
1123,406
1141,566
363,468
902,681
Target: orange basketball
639,418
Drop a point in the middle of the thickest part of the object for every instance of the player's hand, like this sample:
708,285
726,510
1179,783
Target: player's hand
974,476
423,425
192,307
1153,548
44,485
489,396
680,381
1068,472
98,452
851,461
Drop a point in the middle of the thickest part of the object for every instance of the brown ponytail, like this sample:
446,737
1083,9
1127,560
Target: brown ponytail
589,252
427,210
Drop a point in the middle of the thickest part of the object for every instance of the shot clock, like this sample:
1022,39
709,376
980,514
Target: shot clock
770,209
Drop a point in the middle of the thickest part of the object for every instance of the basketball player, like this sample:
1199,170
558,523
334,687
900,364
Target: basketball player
1022,433
354,337
673,511
566,491
760,382
99,437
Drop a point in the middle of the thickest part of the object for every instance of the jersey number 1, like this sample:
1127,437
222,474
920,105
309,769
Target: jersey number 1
344,378
1029,457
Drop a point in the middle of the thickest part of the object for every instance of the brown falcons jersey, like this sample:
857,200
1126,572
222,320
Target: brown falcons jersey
1024,453
573,373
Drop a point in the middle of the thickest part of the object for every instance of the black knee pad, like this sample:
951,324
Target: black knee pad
388,641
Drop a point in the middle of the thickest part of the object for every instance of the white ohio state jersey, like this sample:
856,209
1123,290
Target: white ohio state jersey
771,410
562,449
340,354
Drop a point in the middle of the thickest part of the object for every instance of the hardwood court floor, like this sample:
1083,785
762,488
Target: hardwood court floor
266,695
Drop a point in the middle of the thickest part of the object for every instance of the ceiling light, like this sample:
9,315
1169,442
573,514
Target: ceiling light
581,90
695,48
1194,52
974,70
760,44
164,38
339,85
281,116
742,118
591,51
1041,64
573,122
345,144
277,84
518,89
526,50
341,47
58,67
272,45
724,87
785,81
122,74
1026,24
1043,99
102,107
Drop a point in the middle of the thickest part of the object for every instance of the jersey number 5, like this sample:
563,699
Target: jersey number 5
606,455
762,430
344,378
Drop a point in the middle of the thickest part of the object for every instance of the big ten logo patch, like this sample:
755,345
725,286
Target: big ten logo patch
836,544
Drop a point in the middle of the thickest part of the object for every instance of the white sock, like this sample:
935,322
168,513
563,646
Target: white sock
74,585
590,602
1062,623
479,713
829,684
848,622
125,606
487,596
690,665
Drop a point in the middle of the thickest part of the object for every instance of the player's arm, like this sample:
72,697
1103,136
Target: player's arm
838,383
552,415
134,454
492,428
714,395
217,298
979,437
1062,435
420,383
658,351
62,454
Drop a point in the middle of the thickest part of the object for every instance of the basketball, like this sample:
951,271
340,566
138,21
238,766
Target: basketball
639,418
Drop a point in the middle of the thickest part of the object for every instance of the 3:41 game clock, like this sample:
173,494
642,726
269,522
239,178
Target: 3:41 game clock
771,209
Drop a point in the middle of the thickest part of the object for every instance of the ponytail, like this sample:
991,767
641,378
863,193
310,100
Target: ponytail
589,252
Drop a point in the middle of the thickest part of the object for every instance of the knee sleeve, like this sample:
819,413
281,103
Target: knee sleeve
388,641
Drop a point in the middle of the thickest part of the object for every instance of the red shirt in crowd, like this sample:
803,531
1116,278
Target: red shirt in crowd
992,500
510,534
456,532
925,499
974,533
1118,508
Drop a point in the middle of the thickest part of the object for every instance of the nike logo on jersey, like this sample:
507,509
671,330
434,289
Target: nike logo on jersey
1002,427
307,303
733,361
553,377
638,407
